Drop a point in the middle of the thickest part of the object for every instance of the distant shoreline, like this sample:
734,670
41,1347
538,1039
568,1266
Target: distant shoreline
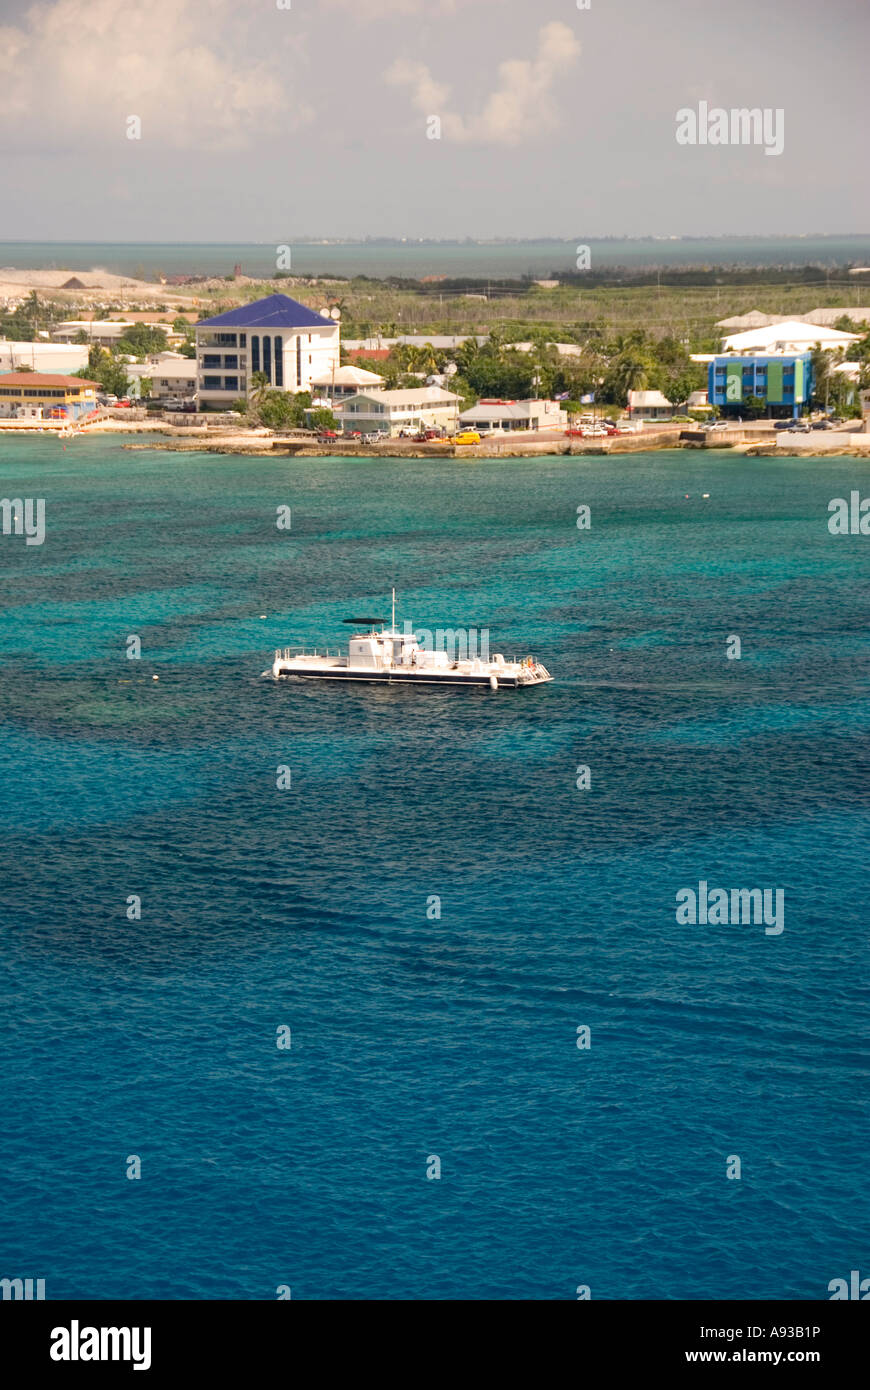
382,257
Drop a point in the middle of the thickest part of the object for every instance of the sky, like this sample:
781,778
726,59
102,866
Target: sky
268,119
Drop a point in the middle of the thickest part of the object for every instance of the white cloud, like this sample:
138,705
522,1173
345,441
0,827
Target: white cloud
520,108
76,69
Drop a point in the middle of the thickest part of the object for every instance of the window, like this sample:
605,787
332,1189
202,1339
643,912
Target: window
255,354
211,359
279,362
299,361
243,340
231,360
211,383
231,383
267,357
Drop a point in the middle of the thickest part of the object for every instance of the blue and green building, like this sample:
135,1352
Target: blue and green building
783,382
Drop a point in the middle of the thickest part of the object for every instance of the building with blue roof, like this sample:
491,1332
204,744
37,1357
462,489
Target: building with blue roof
286,341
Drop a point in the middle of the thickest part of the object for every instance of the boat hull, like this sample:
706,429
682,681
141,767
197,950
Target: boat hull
402,678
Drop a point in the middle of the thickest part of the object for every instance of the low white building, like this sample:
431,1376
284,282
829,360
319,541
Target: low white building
496,416
429,407
106,332
287,342
42,357
787,338
172,379
649,405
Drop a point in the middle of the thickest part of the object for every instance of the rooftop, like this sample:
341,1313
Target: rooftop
348,376
504,410
424,395
275,311
43,379
646,400
788,331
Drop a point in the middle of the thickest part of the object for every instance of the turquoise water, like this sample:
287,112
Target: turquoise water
415,259
307,907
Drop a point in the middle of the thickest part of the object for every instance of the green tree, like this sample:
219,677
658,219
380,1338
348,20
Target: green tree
629,371
322,420
140,339
102,368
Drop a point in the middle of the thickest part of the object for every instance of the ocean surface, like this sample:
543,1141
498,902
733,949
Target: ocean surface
311,908
415,259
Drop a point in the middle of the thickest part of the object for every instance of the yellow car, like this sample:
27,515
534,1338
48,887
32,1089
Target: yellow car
466,437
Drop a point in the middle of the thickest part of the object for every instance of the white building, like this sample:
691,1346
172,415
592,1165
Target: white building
649,405
289,343
787,338
429,407
42,357
106,332
172,377
345,382
495,417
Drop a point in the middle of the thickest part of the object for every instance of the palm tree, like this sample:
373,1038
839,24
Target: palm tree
260,384
31,309
630,372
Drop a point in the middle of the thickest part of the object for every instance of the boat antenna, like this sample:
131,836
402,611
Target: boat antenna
394,610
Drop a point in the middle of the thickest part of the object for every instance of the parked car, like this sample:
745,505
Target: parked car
820,425
799,427
466,437
782,424
326,436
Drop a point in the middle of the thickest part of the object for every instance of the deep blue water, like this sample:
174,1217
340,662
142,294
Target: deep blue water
307,907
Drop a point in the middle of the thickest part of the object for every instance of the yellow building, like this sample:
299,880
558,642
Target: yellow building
39,396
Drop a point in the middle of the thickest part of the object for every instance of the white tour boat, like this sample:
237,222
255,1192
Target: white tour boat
381,653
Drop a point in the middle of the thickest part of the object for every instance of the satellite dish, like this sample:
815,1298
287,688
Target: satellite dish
335,312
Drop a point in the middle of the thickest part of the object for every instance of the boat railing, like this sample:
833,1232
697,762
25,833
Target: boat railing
287,653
